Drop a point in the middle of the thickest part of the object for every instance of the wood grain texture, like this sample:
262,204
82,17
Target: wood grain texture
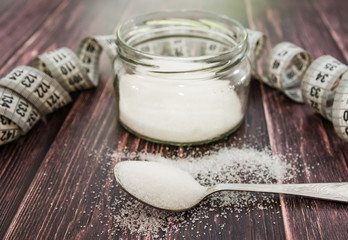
56,182
299,127
19,20
17,166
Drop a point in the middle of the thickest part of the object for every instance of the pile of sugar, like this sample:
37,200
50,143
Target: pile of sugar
228,165
178,110
159,185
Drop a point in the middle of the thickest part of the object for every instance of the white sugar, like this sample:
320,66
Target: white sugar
229,165
178,110
159,185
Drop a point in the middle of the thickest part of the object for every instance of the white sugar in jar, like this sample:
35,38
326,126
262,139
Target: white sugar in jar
182,77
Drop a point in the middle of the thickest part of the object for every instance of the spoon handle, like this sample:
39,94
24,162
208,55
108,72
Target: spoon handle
328,191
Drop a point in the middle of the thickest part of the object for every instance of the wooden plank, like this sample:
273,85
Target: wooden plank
16,27
19,163
21,159
89,22
304,132
333,16
19,20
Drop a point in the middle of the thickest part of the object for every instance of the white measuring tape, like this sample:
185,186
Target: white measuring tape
37,87
340,108
322,84
257,44
9,130
27,93
285,67
18,110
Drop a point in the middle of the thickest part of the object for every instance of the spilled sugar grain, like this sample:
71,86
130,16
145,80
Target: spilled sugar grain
226,165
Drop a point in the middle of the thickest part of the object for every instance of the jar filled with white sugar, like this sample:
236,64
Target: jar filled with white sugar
182,77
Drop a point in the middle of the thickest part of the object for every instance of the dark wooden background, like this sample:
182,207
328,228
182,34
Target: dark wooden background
45,176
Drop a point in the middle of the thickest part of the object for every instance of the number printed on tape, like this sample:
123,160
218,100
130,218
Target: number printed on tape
18,110
64,66
285,68
26,92
89,53
340,108
318,85
40,89
9,131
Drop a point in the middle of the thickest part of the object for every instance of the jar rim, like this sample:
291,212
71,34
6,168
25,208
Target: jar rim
123,43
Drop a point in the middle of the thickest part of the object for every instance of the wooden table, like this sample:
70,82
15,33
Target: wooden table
48,179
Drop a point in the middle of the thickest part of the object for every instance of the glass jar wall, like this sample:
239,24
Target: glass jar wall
181,77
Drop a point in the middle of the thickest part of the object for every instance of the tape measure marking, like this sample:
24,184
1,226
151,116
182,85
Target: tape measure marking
108,43
18,109
285,67
64,66
38,88
320,82
26,92
89,53
179,48
340,108
9,131
211,48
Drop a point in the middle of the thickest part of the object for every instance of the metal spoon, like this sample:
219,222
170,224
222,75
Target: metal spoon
326,191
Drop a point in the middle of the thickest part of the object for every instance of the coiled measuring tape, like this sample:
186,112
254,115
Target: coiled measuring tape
322,84
325,89
285,67
38,88
28,93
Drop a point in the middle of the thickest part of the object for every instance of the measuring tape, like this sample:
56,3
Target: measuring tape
27,93
285,67
38,88
18,109
340,108
257,44
322,84
9,130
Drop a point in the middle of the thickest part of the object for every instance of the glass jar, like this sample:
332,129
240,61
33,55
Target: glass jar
182,77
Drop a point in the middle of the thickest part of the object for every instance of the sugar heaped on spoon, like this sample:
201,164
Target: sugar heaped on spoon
170,188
